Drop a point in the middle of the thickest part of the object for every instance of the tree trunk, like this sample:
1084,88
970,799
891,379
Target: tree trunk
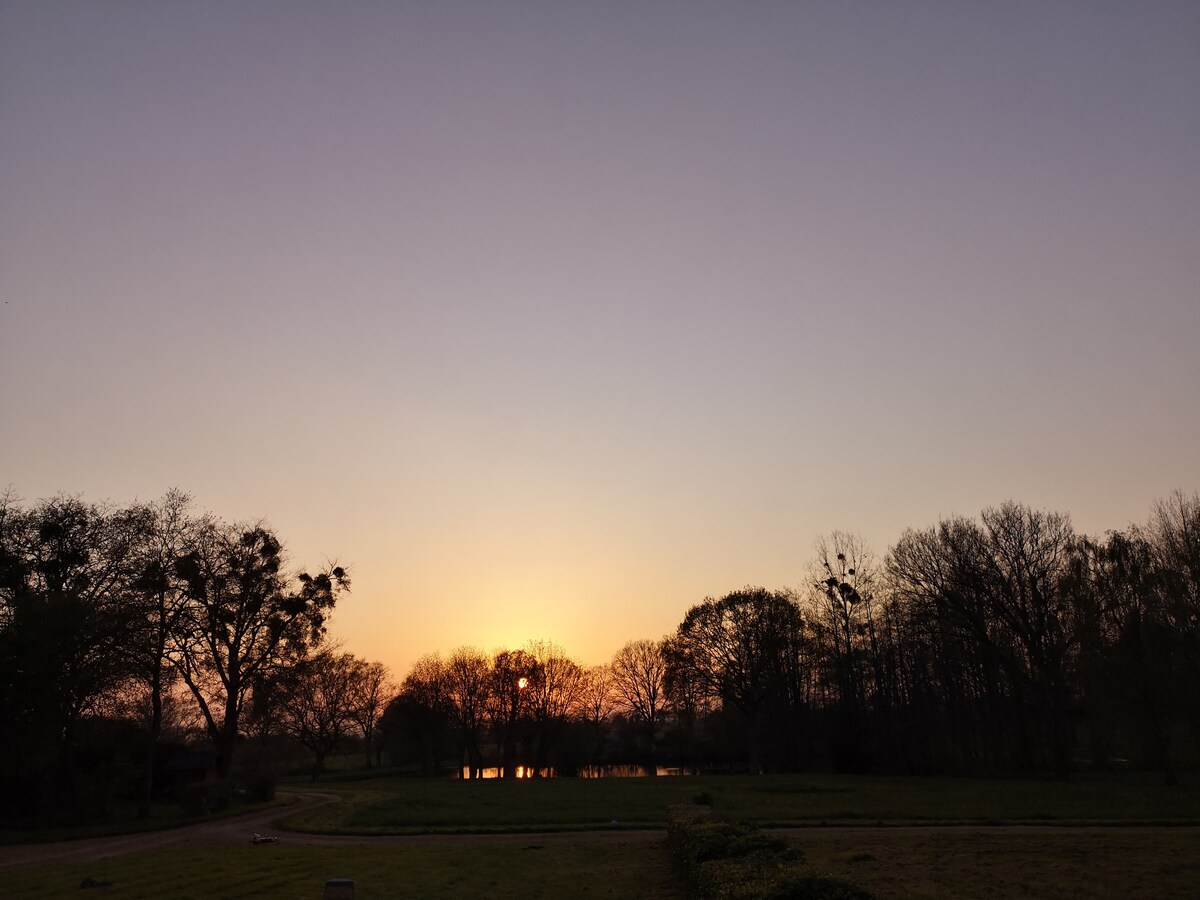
143,810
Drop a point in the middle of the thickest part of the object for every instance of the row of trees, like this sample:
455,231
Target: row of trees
1002,642
529,710
116,622
1006,642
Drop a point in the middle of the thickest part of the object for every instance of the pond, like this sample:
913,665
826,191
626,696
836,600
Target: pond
612,771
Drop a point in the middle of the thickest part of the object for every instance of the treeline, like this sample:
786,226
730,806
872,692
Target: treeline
1007,642
1002,643
129,634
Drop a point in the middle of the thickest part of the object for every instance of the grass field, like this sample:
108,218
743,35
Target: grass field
902,864
973,862
409,805
910,864
581,868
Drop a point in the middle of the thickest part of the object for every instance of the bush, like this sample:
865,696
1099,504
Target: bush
738,862
722,840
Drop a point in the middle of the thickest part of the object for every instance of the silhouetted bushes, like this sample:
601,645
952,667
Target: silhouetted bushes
739,862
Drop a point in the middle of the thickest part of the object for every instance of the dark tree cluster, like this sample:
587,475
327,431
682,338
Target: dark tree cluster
520,701
1002,643
121,624
1005,642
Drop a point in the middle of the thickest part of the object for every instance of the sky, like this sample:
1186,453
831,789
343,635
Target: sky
552,319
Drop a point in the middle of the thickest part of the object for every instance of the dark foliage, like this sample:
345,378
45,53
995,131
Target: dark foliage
739,862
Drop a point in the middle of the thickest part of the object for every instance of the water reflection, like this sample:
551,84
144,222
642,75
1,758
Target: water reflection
613,771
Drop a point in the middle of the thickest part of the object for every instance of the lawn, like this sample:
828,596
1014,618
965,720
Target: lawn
410,805
894,863
917,864
626,869
597,855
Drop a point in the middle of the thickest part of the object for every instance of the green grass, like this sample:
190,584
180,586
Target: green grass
1121,864
968,863
892,863
408,805
626,869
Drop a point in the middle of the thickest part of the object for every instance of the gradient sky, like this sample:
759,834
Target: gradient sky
551,319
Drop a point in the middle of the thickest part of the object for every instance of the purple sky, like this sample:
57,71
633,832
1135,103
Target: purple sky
553,318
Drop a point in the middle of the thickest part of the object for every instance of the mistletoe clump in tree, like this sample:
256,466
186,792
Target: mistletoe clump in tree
246,622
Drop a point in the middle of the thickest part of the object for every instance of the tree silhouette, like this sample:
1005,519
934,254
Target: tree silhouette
638,671
245,622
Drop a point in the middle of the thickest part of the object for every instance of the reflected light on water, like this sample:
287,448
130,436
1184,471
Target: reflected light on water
612,771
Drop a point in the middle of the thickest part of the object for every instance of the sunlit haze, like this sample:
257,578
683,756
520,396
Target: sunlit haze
551,319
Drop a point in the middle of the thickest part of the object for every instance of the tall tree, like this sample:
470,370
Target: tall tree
317,703
158,593
742,650
638,671
370,689
842,597
422,714
65,620
595,706
245,621
1174,534
468,687
1004,584
552,693
508,703
1130,668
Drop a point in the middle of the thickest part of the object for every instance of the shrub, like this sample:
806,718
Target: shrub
738,862
723,840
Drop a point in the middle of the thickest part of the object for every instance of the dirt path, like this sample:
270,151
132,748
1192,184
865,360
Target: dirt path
240,830
228,830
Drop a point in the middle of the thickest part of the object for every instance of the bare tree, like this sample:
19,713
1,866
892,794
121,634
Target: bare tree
1174,533
317,703
841,596
159,594
552,693
508,703
468,687
370,689
638,671
1004,585
1130,663
595,705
